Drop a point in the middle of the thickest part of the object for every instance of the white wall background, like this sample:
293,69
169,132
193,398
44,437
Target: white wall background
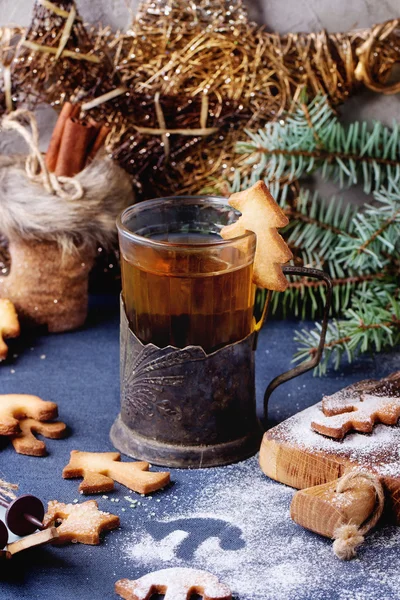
278,15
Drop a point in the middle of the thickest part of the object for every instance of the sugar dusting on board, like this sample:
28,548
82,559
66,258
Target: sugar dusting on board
381,448
234,522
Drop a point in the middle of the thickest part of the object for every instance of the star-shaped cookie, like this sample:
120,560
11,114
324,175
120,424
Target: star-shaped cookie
81,523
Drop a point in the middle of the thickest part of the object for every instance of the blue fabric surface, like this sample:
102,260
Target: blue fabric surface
80,371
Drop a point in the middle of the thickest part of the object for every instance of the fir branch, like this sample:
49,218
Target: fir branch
372,324
359,247
320,231
315,224
375,242
304,297
312,236
313,138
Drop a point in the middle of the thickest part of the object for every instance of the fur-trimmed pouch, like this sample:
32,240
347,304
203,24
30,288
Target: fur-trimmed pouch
54,226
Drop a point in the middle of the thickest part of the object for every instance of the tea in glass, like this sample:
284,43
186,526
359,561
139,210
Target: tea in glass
182,283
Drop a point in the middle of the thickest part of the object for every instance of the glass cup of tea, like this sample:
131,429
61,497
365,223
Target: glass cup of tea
188,334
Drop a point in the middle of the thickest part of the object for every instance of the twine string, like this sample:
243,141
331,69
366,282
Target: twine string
348,536
35,165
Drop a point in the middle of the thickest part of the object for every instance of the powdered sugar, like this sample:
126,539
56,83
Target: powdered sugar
379,450
342,414
177,583
235,523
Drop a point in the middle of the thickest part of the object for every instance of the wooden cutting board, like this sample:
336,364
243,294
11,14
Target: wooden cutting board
293,454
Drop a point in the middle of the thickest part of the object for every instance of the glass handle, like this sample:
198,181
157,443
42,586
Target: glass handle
314,361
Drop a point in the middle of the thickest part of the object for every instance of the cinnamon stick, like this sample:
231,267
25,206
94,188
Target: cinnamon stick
99,141
68,111
76,139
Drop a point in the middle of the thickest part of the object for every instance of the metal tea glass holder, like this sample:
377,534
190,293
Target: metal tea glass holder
184,408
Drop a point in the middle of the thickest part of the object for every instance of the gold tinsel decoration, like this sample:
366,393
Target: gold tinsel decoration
58,59
186,78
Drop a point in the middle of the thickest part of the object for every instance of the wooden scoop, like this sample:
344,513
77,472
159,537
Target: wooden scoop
323,510
345,509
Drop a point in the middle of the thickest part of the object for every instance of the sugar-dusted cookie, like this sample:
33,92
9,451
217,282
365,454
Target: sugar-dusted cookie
25,442
81,523
359,407
100,469
14,407
9,325
177,584
261,214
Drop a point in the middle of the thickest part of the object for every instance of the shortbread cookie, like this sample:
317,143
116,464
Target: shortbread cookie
359,407
262,215
14,407
25,442
81,523
177,584
9,325
100,469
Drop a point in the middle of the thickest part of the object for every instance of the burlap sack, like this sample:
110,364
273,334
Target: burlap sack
54,227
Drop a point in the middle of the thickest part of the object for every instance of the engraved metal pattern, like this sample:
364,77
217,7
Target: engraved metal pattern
186,396
146,379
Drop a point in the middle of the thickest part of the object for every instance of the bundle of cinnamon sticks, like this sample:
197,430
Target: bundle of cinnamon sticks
74,142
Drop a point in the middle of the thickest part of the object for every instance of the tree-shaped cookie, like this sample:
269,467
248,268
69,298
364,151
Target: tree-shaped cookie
81,523
358,408
262,215
177,584
14,407
9,325
100,469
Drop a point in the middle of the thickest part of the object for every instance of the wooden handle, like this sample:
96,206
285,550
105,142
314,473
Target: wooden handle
322,510
47,536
